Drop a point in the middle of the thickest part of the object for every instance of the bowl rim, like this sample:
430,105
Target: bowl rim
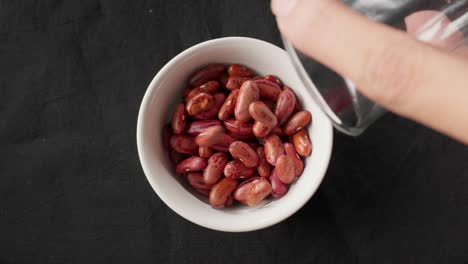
139,138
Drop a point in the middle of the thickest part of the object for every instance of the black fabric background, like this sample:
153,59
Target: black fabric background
72,74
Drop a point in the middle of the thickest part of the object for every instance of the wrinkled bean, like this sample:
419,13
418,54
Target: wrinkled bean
237,170
243,152
302,143
221,191
208,73
248,93
252,191
215,168
219,99
199,103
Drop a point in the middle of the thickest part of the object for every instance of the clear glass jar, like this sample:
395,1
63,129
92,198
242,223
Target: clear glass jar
350,111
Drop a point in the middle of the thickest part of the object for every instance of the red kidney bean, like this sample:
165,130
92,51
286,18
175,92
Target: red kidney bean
238,128
199,103
268,90
223,143
239,70
248,93
263,168
229,201
297,121
273,148
208,73
235,82
252,191
261,113
278,189
274,80
203,192
215,168
219,99
290,150
210,136
191,164
302,143
195,179
183,144
179,119
209,87
221,191
285,169
167,136
237,170
205,152
244,153
197,127
261,130
227,109
176,157
285,105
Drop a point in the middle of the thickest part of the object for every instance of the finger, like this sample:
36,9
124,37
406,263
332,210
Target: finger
389,66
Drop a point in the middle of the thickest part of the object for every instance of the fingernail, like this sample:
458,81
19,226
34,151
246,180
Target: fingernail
282,7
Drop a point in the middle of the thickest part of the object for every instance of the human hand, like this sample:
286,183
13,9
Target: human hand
406,76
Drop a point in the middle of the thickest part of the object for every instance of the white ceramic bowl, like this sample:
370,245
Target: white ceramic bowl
158,101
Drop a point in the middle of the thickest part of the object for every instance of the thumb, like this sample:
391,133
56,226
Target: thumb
388,66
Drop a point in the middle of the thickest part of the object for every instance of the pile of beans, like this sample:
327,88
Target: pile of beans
237,136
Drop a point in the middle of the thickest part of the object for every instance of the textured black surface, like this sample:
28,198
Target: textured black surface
72,74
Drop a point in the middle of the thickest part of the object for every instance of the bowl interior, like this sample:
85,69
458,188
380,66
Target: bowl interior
164,92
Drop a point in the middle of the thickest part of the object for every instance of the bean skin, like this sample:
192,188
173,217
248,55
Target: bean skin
221,191
273,148
263,168
183,144
248,93
199,103
179,119
191,164
208,73
285,105
237,170
290,150
285,169
215,168
210,136
253,191
244,153
239,70
197,127
302,143
296,122
227,110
